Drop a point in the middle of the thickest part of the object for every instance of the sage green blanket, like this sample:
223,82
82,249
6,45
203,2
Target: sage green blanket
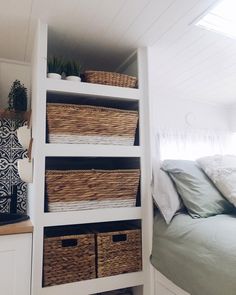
198,255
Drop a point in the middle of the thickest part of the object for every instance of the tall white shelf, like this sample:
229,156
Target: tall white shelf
141,281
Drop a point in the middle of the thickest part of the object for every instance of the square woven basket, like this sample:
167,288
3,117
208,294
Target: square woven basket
71,190
118,252
110,78
68,258
68,123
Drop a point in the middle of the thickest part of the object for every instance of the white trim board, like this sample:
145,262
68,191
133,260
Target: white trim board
164,286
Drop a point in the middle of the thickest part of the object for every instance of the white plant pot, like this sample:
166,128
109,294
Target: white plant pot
54,76
24,136
73,78
25,170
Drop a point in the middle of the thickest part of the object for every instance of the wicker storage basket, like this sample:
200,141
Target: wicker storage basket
68,259
118,252
91,189
110,78
68,123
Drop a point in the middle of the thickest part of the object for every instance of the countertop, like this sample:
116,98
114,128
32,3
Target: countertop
16,228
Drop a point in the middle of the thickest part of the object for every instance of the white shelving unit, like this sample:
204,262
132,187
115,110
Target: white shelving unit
96,90
91,216
97,285
141,281
88,150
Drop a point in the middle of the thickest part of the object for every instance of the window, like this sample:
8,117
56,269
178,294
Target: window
190,145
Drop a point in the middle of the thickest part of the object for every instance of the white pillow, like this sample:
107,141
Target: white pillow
164,194
222,171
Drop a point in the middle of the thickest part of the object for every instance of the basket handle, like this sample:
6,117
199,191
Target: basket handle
69,243
119,238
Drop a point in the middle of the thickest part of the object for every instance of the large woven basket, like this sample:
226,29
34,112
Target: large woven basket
110,78
68,123
91,189
118,252
68,259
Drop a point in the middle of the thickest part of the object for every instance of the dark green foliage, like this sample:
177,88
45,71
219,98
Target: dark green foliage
55,65
72,68
17,97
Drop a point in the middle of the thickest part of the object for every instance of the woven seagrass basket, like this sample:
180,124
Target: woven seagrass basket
68,259
70,190
118,252
110,78
68,123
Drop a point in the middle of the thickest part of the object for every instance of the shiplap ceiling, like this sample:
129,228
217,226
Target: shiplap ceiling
191,63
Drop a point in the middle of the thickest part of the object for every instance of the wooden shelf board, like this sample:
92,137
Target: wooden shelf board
89,150
91,216
95,90
22,227
96,285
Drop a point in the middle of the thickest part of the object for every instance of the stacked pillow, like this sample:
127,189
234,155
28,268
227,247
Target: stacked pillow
222,171
164,194
194,181
199,195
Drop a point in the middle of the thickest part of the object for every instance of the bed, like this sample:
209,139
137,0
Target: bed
198,255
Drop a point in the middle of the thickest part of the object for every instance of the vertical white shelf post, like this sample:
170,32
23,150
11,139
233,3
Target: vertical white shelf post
146,198
36,190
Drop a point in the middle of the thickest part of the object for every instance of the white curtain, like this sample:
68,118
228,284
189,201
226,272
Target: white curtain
193,144
232,144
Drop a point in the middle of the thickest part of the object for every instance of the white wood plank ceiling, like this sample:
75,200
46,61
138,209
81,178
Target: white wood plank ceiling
191,63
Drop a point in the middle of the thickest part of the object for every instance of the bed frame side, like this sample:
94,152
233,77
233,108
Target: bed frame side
164,286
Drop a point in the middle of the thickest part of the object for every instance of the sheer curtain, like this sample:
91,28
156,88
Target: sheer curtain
193,144
232,144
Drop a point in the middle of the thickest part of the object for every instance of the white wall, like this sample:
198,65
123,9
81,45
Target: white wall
129,66
170,110
9,72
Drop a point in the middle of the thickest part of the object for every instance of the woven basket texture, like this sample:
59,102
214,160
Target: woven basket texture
92,185
86,120
110,78
66,264
117,257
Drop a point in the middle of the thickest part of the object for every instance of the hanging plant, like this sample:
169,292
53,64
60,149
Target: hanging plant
17,97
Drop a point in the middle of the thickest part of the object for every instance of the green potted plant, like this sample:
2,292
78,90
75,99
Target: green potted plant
17,97
55,67
72,71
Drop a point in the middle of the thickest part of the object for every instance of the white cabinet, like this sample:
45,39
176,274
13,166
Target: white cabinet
15,264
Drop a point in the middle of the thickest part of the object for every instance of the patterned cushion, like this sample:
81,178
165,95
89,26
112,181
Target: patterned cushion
222,171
